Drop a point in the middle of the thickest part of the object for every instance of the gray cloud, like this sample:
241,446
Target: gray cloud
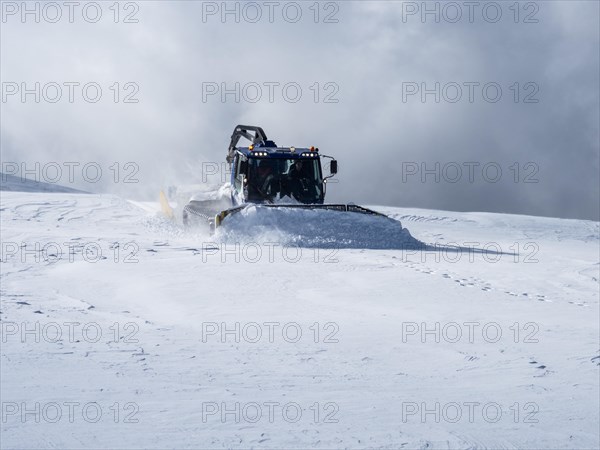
369,54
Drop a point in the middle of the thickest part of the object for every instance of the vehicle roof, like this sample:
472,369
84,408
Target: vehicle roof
274,152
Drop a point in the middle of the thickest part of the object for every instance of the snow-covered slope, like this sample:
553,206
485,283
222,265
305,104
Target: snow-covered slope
22,184
171,339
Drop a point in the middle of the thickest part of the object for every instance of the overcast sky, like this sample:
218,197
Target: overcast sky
542,133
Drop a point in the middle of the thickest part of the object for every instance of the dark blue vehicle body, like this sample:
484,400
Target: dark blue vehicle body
245,174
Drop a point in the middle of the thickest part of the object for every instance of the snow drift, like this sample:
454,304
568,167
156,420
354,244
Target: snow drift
315,228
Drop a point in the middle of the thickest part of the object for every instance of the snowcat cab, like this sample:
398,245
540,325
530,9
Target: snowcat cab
266,173
270,174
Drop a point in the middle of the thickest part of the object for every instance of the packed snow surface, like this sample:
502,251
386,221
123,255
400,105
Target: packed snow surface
122,330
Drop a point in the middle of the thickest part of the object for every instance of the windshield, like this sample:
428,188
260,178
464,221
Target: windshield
273,178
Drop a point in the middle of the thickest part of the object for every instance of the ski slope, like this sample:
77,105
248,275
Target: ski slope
122,330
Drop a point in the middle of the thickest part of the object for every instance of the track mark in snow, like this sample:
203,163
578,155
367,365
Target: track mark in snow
469,357
540,367
465,282
416,218
584,304
473,282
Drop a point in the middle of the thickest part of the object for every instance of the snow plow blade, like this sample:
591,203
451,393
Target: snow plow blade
334,207
203,212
